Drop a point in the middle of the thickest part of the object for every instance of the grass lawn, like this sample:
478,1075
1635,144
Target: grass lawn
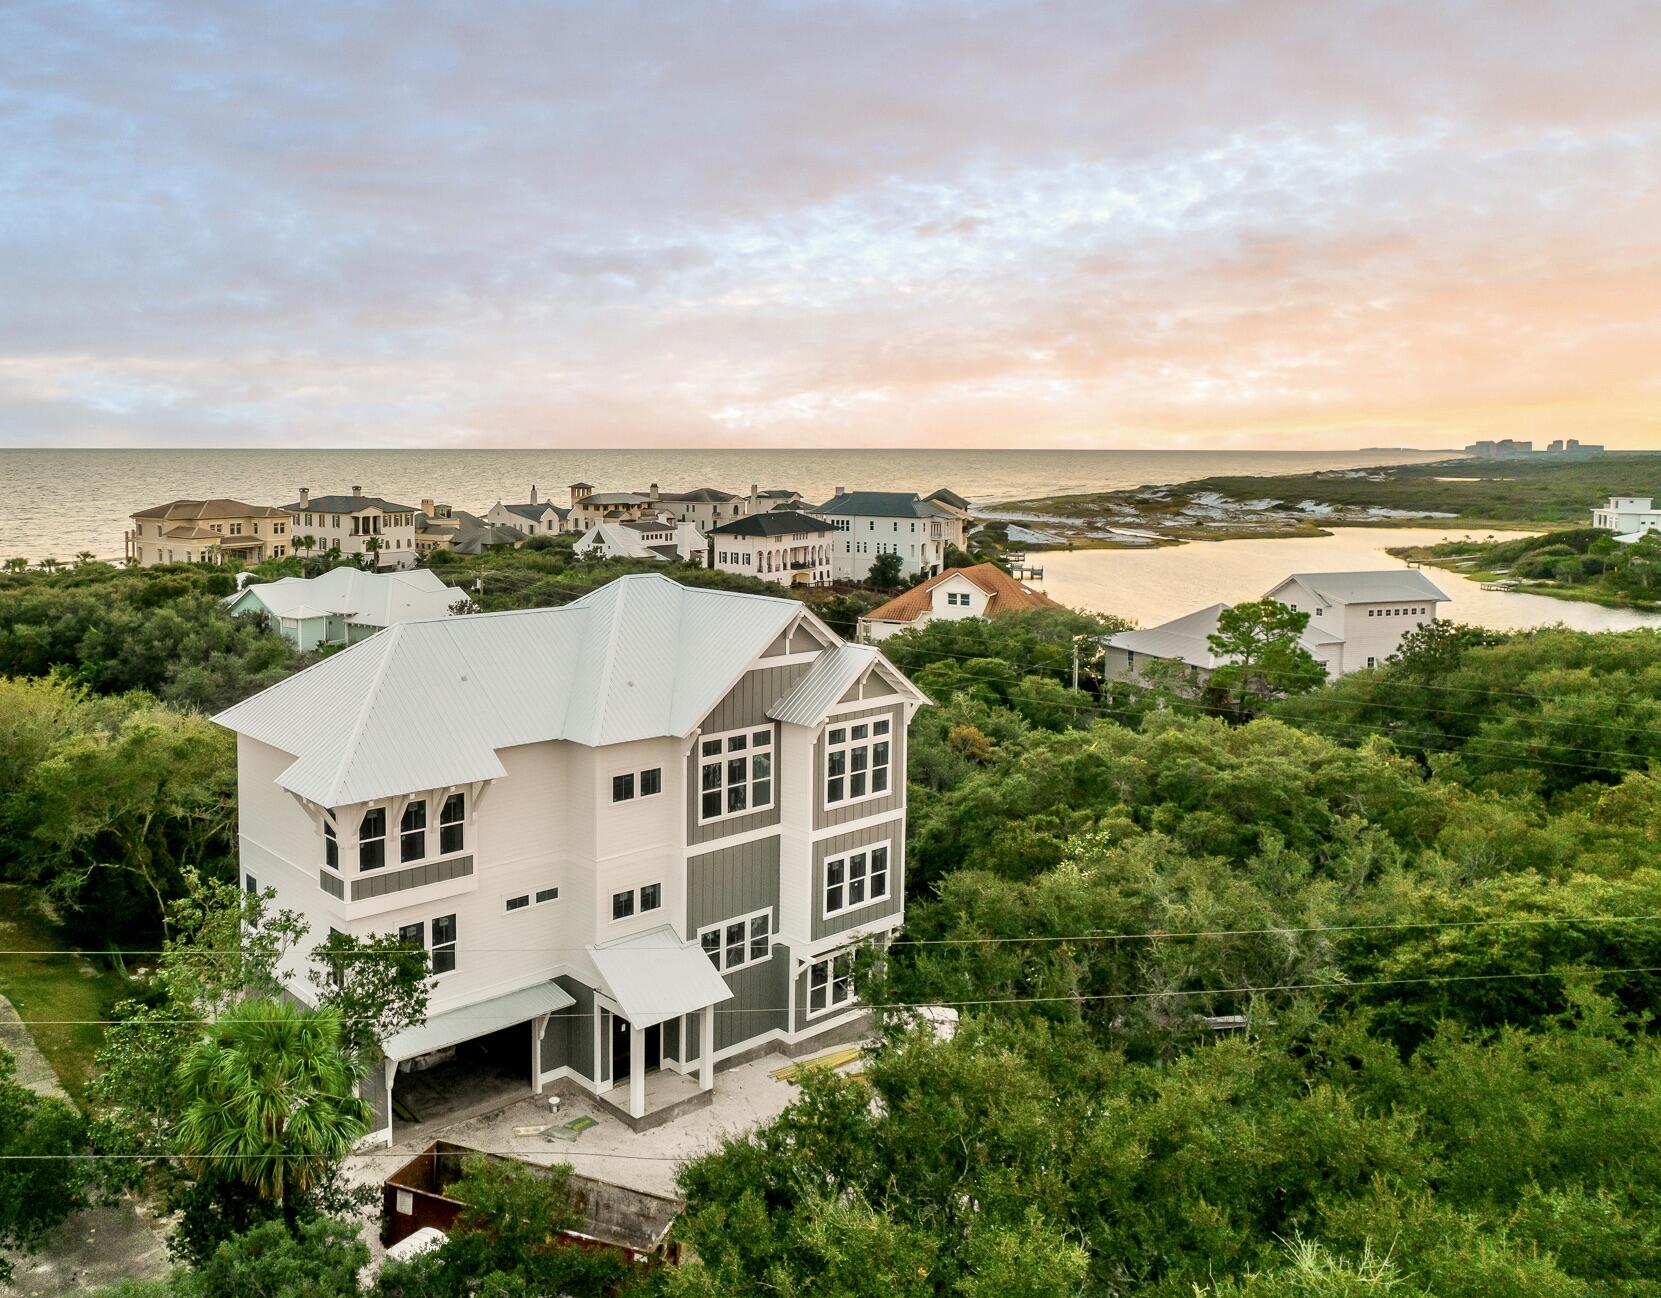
44,983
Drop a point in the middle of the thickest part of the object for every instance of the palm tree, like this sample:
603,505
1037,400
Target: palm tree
372,548
19,564
48,565
84,557
270,1100
305,545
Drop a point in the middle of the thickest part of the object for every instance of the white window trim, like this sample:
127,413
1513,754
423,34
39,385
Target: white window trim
751,806
635,892
841,723
720,927
831,1006
870,898
532,901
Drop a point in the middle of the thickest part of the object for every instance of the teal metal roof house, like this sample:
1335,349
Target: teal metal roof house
345,605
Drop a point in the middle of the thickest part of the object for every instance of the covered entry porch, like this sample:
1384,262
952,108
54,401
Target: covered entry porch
657,993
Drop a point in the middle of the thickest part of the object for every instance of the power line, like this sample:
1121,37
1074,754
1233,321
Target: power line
1333,985
1274,930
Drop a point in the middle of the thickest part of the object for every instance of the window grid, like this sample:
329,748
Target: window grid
858,756
372,839
412,832
444,944
735,774
739,942
856,879
830,983
452,824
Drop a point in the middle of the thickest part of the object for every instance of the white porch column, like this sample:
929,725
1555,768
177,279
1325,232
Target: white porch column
389,1077
637,1072
706,1048
538,1026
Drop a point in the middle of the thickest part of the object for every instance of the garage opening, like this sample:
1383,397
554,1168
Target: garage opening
467,1075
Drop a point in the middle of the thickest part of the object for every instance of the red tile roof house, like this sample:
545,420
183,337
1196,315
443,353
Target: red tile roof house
984,590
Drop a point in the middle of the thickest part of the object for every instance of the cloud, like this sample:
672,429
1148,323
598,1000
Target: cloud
833,223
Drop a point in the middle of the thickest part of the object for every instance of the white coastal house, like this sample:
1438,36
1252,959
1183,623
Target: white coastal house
532,517
1629,517
1356,621
779,545
355,524
981,590
642,538
639,836
346,604
873,523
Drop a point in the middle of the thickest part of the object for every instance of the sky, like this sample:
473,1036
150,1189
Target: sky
1106,224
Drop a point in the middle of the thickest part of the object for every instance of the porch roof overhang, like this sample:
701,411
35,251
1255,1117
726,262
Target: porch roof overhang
476,1020
655,976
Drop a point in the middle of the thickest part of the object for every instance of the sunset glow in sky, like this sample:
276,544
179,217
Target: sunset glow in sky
1103,224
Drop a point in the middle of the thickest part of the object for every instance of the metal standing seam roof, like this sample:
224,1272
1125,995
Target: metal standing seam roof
655,976
826,682
427,704
368,598
1187,638
476,1020
830,678
1377,587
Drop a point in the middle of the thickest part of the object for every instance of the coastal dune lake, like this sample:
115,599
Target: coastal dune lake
1155,585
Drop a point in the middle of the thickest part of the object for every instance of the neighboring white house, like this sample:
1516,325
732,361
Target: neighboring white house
1369,612
1629,517
1356,620
643,538
354,524
983,590
533,517
345,604
779,545
872,523
1186,639
639,834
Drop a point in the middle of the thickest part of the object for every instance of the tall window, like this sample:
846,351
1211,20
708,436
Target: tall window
651,782
856,879
830,983
452,820
444,944
372,839
857,760
331,846
412,832
735,773
736,943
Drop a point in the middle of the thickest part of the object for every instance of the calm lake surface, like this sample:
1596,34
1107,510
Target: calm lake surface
1152,586
60,502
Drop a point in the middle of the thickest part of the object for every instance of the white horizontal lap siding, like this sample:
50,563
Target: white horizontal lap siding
639,841
282,848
